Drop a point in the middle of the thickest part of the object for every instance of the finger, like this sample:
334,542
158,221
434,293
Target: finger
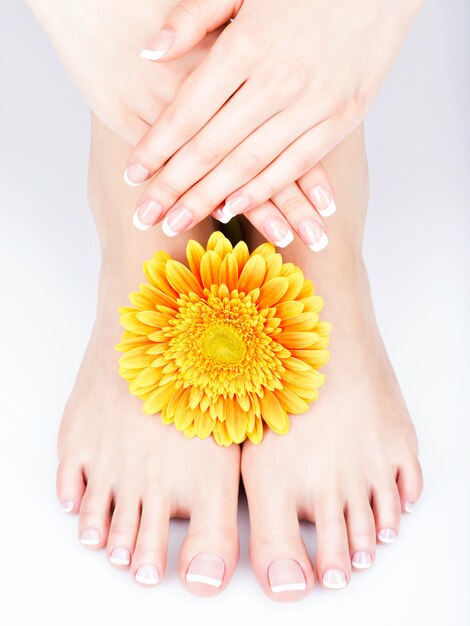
317,187
271,223
186,25
302,217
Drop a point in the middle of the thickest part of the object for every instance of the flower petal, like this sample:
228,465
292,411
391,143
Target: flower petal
229,272
241,254
272,291
273,413
158,399
194,254
291,401
181,278
253,273
297,339
210,269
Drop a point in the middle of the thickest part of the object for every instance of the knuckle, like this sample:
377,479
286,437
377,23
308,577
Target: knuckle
290,77
305,159
292,204
207,150
188,9
181,119
242,48
248,164
202,200
169,187
151,155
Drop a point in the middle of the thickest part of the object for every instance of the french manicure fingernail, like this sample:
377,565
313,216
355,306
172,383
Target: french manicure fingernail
147,575
135,174
361,560
90,537
146,214
159,46
334,579
120,556
313,235
176,221
278,232
409,507
286,575
323,200
387,535
219,215
234,206
66,506
208,569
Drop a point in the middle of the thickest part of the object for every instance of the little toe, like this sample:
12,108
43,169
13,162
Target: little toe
361,532
410,484
95,512
70,485
123,530
387,511
333,562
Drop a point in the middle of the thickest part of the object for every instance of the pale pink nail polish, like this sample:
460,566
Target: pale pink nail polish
146,214
278,232
147,575
159,46
312,234
235,206
322,200
361,560
135,174
176,221
387,535
90,537
208,569
334,579
66,506
286,575
409,507
120,556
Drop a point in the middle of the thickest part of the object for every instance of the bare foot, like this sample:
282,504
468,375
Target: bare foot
123,472
350,464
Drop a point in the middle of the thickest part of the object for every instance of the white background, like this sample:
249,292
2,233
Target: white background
418,255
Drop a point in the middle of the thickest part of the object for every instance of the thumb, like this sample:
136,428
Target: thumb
186,25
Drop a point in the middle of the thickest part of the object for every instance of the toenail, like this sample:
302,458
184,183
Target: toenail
286,575
67,506
90,537
361,560
409,507
120,556
387,535
334,579
147,575
206,568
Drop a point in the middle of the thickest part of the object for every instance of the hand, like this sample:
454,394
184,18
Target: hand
281,86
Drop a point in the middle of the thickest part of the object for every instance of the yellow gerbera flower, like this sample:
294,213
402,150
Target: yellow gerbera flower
226,346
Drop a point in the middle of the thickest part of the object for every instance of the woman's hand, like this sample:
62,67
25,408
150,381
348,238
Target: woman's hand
281,86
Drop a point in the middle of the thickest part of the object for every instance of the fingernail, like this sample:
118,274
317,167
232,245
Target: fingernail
120,556
313,235
409,507
234,206
286,575
176,221
135,174
147,575
387,535
90,537
206,568
278,232
146,214
159,46
66,506
219,215
323,200
361,560
334,579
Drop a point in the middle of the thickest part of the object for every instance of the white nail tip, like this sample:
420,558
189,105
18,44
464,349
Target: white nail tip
226,214
409,507
334,579
90,542
200,578
138,224
147,575
66,506
288,587
146,581
116,561
285,241
128,181
167,230
152,55
329,210
339,585
357,565
387,535
322,243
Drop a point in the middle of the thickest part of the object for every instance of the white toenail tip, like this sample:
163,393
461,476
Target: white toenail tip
66,506
167,230
357,565
329,211
316,247
387,536
151,55
116,561
285,241
200,578
128,181
288,587
334,585
146,581
90,542
138,224
409,507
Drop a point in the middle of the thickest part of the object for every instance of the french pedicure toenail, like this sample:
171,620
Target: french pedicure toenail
233,207
279,233
361,560
176,221
334,579
146,214
313,235
90,537
120,556
286,575
409,507
135,174
208,569
147,575
159,46
387,535
66,506
323,200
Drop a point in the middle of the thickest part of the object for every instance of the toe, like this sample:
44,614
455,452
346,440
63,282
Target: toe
387,510
410,484
149,558
333,561
361,532
95,514
210,550
123,530
70,485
